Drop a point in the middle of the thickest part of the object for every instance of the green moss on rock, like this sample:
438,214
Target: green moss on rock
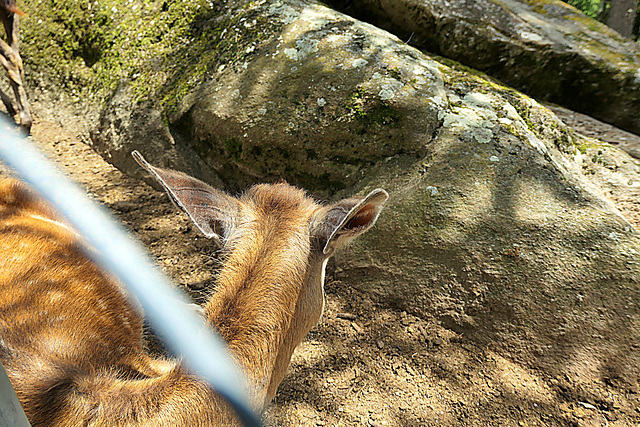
370,110
163,50
234,148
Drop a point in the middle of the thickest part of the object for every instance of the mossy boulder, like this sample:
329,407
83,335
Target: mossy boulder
545,48
252,91
497,226
501,234
320,104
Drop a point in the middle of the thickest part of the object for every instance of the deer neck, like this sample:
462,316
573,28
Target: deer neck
257,297
308,311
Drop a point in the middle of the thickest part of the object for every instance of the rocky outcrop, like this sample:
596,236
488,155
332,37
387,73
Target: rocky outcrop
495,226
546,49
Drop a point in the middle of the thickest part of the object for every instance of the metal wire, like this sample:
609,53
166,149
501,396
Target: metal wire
184,333
11,413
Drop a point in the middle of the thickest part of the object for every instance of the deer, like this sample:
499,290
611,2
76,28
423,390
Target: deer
12,62
71,340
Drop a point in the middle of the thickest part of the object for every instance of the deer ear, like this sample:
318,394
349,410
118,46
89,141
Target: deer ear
211,210
347,219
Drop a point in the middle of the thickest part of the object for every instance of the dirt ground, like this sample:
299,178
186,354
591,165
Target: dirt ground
364,364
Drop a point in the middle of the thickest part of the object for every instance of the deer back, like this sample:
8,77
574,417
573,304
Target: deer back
58,310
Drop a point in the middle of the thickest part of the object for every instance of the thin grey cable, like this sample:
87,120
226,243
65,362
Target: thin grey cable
11,413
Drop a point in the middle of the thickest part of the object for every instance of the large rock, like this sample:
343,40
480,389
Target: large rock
545,48
496,227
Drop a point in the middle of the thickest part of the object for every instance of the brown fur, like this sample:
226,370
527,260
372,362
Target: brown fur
71,342
259,295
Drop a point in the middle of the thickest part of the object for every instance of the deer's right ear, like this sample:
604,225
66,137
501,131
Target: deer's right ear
211,210
347,219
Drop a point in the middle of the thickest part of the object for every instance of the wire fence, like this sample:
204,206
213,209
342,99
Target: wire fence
182,331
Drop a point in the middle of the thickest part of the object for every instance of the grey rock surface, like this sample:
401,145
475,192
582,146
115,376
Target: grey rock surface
547,49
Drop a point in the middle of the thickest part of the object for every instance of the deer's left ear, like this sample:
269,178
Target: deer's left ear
345,220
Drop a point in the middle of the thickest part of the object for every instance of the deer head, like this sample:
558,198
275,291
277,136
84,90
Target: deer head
277,240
